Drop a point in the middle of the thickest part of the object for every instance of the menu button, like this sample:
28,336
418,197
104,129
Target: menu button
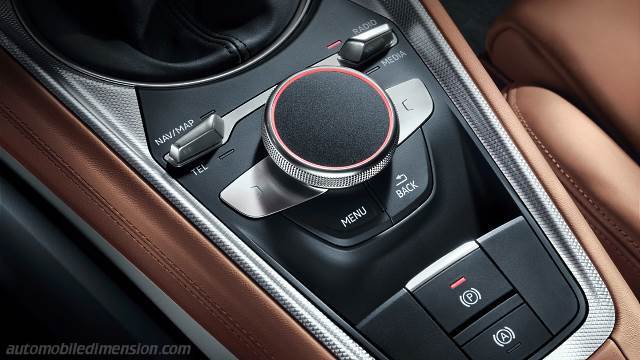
353,217
343,217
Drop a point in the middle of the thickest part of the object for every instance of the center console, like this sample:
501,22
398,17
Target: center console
342,162
344,174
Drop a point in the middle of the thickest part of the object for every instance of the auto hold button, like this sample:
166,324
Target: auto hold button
514,337
343,217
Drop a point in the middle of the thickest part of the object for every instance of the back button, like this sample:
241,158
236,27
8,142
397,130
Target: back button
406,182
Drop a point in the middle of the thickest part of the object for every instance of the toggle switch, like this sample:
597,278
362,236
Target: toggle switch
206,136
364,47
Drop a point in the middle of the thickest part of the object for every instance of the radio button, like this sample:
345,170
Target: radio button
367,46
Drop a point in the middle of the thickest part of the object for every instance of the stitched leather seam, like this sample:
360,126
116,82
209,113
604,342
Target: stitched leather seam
614,246
193,29
592,202
620,348
205,32
555,64
44,149
211,306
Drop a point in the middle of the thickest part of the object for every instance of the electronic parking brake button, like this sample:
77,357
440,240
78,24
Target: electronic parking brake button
460,286
343,217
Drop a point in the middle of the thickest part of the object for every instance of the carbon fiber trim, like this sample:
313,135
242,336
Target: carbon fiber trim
111,111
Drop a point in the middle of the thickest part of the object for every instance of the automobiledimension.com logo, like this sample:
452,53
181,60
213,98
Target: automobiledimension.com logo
96,349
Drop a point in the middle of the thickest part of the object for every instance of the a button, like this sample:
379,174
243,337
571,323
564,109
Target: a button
343,217
463,290
413,105
406,182
264,190
365,47
488,319
516,336
205,137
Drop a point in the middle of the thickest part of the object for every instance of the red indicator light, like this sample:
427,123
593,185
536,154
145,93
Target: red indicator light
458,282
334,44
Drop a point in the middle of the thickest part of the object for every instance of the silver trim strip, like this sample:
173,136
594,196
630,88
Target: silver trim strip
441,264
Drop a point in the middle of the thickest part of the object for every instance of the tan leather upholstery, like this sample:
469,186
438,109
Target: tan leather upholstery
608,351
82,171
601,178
588,51
627,327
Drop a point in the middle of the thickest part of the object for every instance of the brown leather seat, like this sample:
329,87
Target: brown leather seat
602,179
588,51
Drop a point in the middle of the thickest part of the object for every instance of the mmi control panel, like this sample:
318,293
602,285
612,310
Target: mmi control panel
342,162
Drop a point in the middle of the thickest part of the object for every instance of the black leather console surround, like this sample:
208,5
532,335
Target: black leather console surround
159,40
350,274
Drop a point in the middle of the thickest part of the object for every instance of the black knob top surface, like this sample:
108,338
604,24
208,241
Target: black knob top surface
330,127
331,118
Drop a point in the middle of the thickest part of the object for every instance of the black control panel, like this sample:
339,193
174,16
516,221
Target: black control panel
357,231
500,297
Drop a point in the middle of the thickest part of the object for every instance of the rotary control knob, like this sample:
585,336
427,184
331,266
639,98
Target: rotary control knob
330,127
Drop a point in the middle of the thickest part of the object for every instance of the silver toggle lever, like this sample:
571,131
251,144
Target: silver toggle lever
215,131
367,46
205,137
